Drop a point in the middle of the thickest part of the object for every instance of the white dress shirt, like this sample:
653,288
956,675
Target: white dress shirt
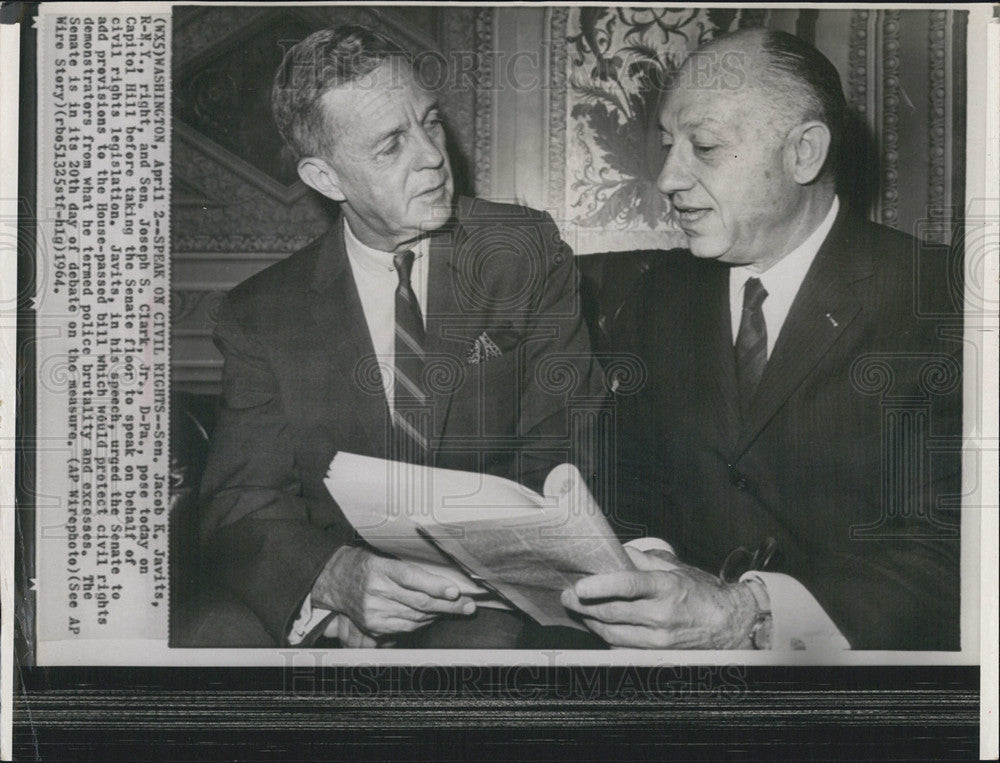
376,278
781,281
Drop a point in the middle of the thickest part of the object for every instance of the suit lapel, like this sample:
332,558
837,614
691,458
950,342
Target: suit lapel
336,307
716,336
445,340
821,311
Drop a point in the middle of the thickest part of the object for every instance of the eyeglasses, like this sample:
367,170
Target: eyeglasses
741,560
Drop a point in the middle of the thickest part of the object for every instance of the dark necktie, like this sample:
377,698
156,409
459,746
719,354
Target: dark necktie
751,342
411,417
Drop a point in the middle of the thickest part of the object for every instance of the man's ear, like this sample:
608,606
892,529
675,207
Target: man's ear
320,176
806,150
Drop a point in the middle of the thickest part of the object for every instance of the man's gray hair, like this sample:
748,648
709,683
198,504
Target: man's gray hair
322,61
802,83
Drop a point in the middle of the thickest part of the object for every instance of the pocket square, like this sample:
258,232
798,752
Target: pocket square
482,350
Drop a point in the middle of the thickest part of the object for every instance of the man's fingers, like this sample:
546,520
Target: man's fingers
396,625
415,578
351,635
397,597
608,612
382,609
627,636
617,585
332,629
383,615
422,602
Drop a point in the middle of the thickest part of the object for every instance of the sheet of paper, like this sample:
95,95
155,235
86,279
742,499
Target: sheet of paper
382,499
526,547
531,563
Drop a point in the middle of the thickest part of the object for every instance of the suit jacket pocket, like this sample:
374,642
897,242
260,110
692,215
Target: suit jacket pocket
486,404
496,370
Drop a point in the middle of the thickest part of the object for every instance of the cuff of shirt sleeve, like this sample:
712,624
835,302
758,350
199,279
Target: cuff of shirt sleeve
308,623
798,620
650,544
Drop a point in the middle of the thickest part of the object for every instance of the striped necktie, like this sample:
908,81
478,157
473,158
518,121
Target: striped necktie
751,343
411,415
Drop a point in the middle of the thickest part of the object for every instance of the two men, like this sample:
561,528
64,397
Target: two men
799,373
780,446
413,330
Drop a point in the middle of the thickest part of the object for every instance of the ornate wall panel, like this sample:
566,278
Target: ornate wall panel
604,156
889,126
906,82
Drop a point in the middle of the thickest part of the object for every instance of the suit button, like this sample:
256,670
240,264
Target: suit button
738,480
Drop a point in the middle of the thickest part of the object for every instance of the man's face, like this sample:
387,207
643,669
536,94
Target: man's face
389,161
724,173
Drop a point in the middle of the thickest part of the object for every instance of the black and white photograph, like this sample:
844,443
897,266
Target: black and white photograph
506,371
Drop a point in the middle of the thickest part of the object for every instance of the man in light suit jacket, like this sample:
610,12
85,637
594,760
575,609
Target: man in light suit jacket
797,442
418,329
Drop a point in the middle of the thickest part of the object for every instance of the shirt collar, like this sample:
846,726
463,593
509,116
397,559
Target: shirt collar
789,272
375,260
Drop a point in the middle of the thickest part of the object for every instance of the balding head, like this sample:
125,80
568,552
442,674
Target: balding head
748,127
799,84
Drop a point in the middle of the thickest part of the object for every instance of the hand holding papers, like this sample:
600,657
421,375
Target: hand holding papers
484,532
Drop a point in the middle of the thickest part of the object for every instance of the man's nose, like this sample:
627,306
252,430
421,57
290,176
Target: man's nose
675,175
429,153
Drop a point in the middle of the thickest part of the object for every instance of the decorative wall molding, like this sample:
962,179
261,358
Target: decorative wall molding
186,194
196,29
250,214
958,87
937,128
483,154
199,29
241,246
186,302
216,256
458,99
857,61
285,194
558,23
211,369
890,117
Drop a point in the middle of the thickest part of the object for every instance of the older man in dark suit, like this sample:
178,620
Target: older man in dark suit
799,373
416,330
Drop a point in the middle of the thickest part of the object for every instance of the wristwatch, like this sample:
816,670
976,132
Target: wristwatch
760,631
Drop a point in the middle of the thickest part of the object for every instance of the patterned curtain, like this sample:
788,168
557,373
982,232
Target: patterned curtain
605,151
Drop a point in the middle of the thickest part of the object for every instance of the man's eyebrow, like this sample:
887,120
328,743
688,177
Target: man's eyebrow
711,122
400,129
433,106
388,133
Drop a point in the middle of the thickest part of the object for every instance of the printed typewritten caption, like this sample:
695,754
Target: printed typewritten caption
102,342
